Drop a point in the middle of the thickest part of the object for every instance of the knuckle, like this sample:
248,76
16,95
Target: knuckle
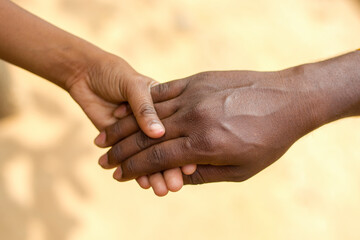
141,140
199,113
113,132
128,169
188,144
200,142
146,109
196,178
113,155
157,157
162,88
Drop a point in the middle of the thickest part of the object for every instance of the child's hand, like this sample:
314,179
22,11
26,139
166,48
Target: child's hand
110,81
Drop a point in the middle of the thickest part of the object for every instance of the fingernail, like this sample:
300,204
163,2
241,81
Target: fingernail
103,160
118,174
100,139
157,127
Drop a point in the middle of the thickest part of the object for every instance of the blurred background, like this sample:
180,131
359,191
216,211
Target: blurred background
52,188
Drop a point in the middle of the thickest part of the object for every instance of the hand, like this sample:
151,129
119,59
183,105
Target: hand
233,124
97,80
108,82
162,183
112,81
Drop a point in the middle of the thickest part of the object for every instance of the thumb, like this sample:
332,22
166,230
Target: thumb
211,173
143,108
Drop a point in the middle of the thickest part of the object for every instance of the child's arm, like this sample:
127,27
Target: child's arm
97,80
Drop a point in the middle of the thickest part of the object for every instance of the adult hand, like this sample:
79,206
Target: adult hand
234,124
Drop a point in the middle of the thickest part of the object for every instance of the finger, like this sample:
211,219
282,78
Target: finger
114,133
211,173
188,169
122,111
135,144
128,125
143,181
158,184
165,155
168,90
144,111
173,179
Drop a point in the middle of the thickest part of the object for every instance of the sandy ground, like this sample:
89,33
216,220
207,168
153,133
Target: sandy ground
52,188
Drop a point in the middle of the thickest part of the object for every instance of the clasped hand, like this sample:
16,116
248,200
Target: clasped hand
231,124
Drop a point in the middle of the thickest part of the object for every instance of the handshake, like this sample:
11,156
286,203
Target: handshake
222,126
210,127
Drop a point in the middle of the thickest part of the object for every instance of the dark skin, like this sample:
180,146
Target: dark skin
234,124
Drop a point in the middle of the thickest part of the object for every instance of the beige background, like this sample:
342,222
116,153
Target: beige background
52,188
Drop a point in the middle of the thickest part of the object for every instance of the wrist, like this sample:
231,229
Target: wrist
335,85
75,63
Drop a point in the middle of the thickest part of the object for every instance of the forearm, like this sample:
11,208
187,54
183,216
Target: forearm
39,47
337,84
